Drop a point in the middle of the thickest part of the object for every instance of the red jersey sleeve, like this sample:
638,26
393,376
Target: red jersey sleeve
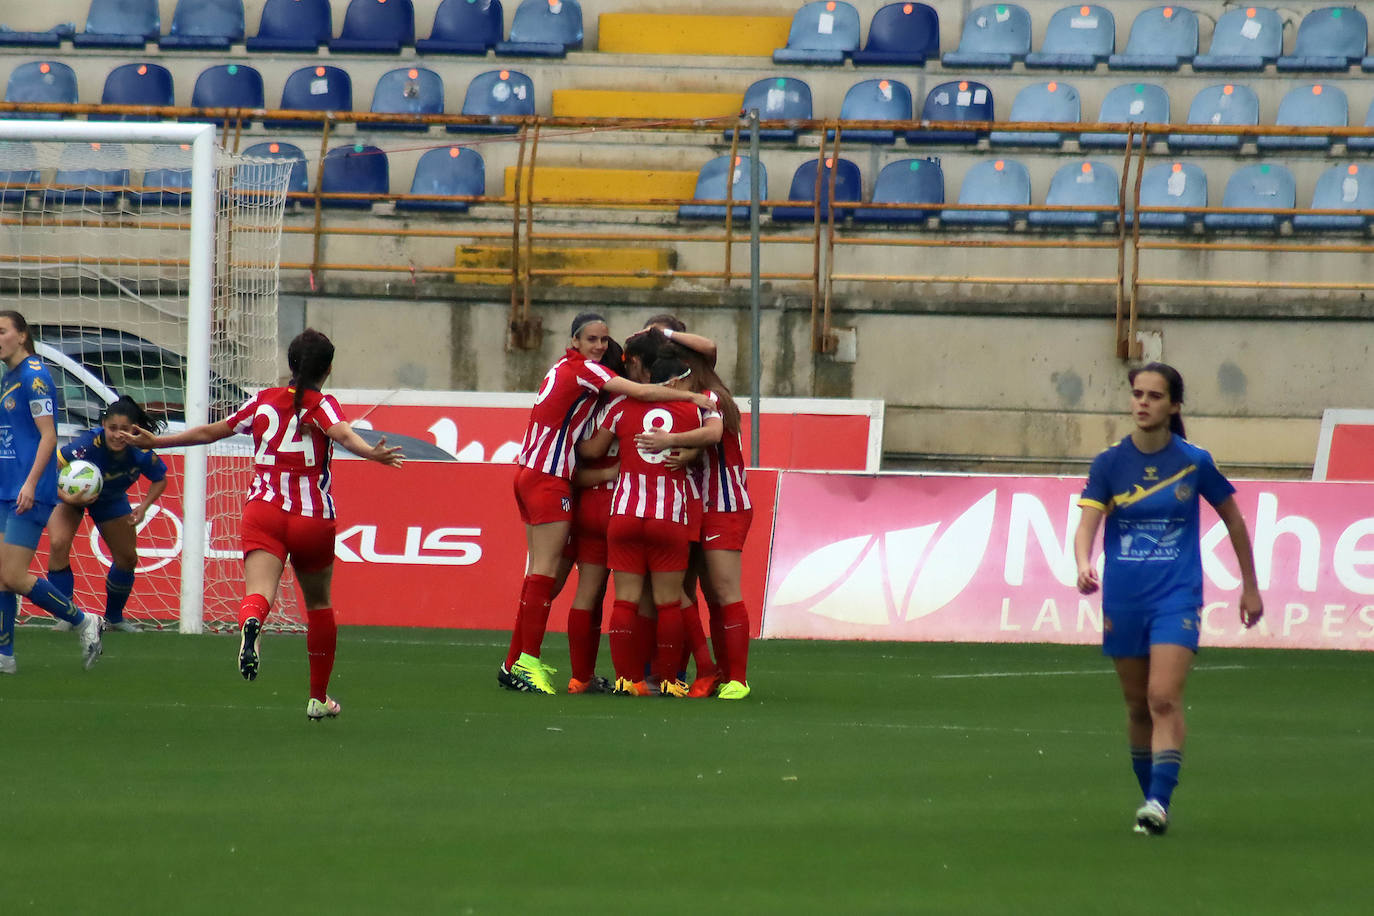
593,376
325,413
241,421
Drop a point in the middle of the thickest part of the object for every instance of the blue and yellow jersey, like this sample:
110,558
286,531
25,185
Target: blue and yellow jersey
120,469
1151,536
26,393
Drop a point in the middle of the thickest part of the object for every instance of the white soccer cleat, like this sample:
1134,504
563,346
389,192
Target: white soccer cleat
1151,818
89,633
8,665
316,710
122,626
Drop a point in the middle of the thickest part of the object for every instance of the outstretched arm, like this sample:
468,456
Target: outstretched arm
196,435
344,435
1251,604
703,345
655,393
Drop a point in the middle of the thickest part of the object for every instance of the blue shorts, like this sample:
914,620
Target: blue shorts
25,530
1131,633
104,510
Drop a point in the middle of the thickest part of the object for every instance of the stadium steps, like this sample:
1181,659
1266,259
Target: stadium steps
631,103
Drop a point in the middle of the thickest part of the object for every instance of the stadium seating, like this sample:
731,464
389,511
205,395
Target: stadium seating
1172,184
299,183
357,168
1162,38
1229,104
464,27
228,86
120,24
317,88
52,38
1077,38
78,184
165,187
448,170
1080,184
408,90
1052,102
1329,39
136,84
875,100
293,25
544,28
1308,105
41,81
779,98
906,181
901,34
1340,188
962,100
1143,103
991,182
496,94
823,32
848,189
1259,185
204,25
688,34
1363,144
377,27
15,182
712,183
1245,38
997,35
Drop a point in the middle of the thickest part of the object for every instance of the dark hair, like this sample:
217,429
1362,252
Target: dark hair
614,357
645,346
705,378
667,367
126,407
1174,381
584,319
20,325
668,321
309,357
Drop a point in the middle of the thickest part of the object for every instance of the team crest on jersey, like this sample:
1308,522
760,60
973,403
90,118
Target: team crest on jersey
1183,492
567,504
11,403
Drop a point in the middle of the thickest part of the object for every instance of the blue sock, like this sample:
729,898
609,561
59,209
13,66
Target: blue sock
63,580
118,584
1164,775
9,608
1142,763
55,603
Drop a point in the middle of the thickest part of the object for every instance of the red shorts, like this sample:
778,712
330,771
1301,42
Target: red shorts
307,542
589,524
695,512
645,545
725,530
542,498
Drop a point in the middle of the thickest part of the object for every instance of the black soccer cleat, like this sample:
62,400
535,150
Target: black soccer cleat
249,638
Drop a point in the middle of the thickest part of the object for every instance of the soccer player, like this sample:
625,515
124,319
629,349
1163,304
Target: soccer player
121,465
289,512
28,491
1147,485
543,485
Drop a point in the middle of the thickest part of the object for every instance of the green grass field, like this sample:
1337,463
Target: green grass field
859,778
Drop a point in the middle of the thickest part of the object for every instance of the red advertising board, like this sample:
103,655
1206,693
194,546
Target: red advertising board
1345,447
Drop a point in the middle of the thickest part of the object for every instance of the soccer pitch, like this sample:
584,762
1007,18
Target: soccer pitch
859,778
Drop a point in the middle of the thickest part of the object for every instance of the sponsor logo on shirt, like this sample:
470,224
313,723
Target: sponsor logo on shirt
38,386
1151,473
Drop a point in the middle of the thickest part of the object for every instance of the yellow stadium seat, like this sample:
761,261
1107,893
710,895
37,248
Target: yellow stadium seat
667,33
623,186
615,103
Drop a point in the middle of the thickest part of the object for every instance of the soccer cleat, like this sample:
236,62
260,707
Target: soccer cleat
122,626
673,688
597,684
626,687
734,690
316,710
249,639
530,672
704,686
8,665
88,631
1151,818
508,681
61,626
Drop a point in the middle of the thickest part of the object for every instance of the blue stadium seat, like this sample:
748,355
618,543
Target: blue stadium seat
136,84
1245,38
91,182
317,88
1261,185
464,27
906,181
712,184
778,98
408,90
1329,39
450,171
245,178
1308,105
901,33
1078,38
1162,38
41,81
1229,104
991,182
229,86
848,189
52,38
1052,102
1348,186
204,24
1172,184
544,28
1143,103
1080,184
1363,144
16,182
293,25
997,35
357,168
823,32
961,100
163,187
376,27
120,24
495,94
875,100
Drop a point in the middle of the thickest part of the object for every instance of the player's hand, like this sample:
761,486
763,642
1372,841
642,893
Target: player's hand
140,437
136,518
24,501
702,401
391,457
1087,580
1251,607
682,458
652,440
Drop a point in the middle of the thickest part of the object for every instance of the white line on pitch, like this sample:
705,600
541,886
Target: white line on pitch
981,674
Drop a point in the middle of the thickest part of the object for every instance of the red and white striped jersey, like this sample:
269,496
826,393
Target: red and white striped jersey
612,456
290,451
724,488
562,407
647,487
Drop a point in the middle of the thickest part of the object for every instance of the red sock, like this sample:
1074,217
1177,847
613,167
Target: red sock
622,638
514,651
321,636
583,635
735,628
718,644
644,642
254,606
668,636
695,638
535,598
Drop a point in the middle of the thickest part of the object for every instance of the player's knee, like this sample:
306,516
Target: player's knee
1163,704
126,560
1138,712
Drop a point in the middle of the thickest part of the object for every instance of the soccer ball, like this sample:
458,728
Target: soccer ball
79,483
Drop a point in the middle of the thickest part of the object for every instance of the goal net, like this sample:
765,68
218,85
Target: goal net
145,260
